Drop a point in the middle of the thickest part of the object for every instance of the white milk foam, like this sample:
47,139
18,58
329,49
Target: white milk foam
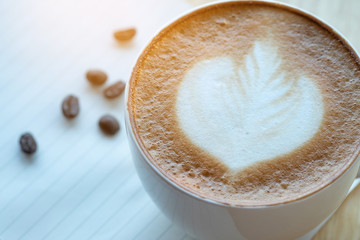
247,114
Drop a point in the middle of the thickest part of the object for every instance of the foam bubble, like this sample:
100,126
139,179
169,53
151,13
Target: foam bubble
244,114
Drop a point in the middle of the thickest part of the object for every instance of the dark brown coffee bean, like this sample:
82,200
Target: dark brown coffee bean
28,143
114,90
96,77
70,106
109,124
125,34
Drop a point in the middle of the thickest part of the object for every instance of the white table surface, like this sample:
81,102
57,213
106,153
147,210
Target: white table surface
80,184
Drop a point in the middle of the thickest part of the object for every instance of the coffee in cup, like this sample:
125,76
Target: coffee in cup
247,103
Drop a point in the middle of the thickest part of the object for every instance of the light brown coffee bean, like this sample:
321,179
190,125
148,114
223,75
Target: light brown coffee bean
114,90
27,143
125,34
109,124
70,106
96,77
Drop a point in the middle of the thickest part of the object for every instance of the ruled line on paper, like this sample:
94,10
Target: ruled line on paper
39,197
165,231
62,194
53,103
64,152
37,93
69,190
48,40
146,226
84,199
156,227
22,191
131,219
114,214
49,86
97,208
98,215
51,146
172,232
34,81
45,88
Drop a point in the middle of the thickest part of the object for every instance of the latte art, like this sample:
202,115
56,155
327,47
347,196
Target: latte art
244,114
247,103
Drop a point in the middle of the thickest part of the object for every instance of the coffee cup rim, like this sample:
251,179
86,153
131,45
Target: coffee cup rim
130,121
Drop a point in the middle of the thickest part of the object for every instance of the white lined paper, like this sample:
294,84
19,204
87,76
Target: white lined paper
80,184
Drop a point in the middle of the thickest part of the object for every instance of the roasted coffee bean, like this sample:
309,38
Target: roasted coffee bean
70,106
28,143
125,34
96,77
114,90
109,124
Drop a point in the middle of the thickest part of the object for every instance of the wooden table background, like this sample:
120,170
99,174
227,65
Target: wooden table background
343,15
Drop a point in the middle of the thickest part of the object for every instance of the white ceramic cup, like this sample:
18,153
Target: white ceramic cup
209,220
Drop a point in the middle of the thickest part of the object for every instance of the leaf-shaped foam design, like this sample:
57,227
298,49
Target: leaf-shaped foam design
250,113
